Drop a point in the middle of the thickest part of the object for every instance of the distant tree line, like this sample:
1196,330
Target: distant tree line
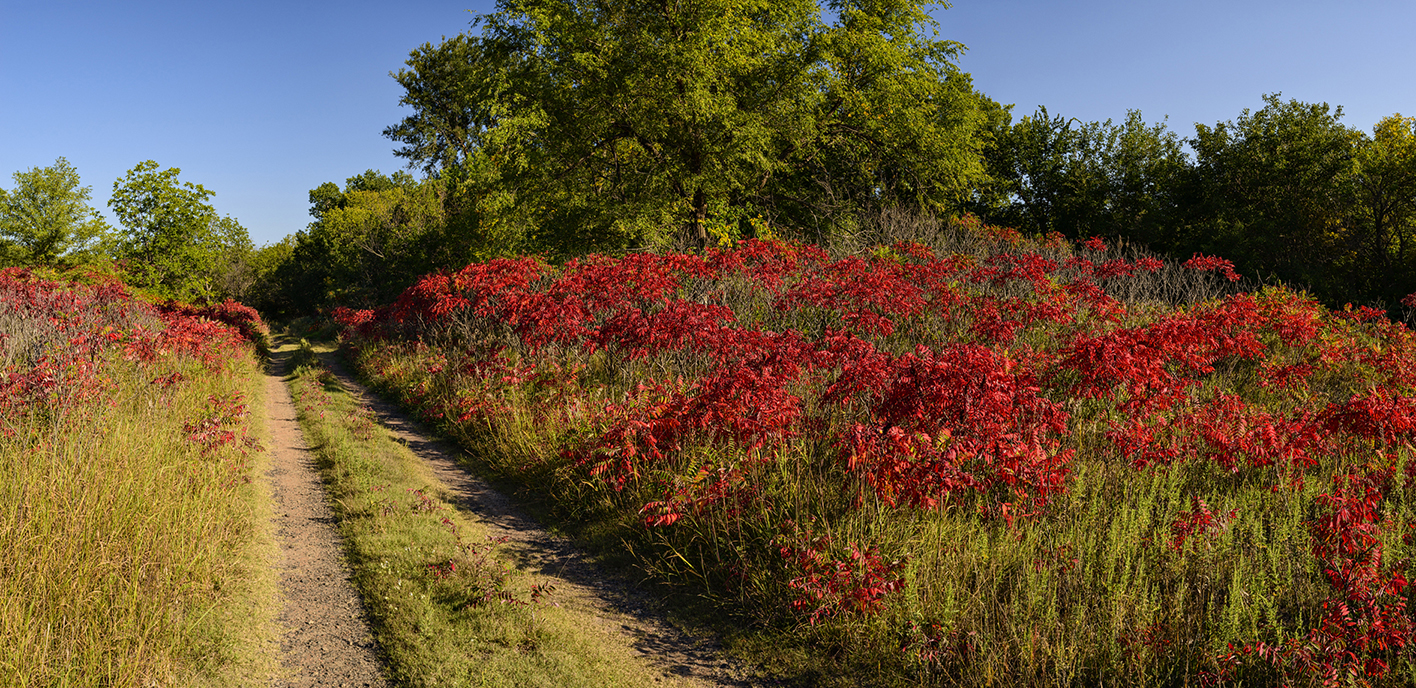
562,128
559,128
366,242
171,242
1288,192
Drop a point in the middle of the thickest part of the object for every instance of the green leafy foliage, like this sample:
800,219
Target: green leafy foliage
1273,184
175,243
899,125
1053,174
1381,236
602,126
46,219
377,230
1288,191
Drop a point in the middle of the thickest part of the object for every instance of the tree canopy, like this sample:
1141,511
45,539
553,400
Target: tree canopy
365,240
1053,174
1382,224
46,219
601,125
1288,192
562,127
175,243
1274,181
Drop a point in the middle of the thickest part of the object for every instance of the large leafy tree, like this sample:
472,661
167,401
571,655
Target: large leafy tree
1382,224
365,242
379,229
46,219
897,124
604,124
450,87
1275,184
175,243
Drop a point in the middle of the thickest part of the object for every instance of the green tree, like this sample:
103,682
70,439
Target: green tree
1148,181
581,126
1383,219
450,87
1039,167
231,271
268,265
381,229
1275,189
1053,174
1288,192
898,125
366,243
175,243
46,219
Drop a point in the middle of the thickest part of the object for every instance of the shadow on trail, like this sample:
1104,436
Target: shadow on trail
534,550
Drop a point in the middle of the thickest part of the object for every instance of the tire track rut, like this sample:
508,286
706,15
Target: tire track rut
613,603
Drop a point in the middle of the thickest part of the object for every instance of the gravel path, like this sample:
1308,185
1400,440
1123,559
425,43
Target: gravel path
326,639
325,632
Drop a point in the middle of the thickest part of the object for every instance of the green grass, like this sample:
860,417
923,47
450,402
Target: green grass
128,558
440,627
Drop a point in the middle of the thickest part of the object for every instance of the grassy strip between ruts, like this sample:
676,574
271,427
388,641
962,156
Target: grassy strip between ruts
445,609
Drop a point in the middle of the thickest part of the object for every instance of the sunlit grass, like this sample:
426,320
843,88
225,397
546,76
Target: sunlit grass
127,557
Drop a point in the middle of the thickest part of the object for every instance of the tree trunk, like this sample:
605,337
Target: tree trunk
700,215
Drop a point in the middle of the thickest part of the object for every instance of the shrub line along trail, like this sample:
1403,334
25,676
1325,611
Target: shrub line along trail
325,638
606,604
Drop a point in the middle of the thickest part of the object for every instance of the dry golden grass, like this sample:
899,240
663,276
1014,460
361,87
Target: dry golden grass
127,557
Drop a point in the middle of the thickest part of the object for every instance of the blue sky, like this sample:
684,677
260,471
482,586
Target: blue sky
263,101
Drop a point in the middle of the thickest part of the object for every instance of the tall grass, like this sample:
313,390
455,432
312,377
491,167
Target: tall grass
129,555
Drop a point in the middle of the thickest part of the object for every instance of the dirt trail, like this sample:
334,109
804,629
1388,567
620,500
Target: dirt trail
614,604
326,639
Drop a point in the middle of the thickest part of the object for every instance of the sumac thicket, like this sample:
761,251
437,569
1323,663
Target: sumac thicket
988,459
